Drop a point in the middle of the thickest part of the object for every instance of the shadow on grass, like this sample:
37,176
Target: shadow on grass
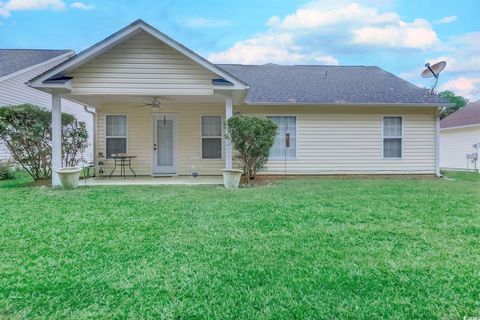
22,179
462,175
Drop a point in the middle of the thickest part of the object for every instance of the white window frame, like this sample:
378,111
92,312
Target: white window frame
106,137
296,137
397,137
222,137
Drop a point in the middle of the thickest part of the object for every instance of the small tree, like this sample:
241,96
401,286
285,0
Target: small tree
26,131
458,101
252,138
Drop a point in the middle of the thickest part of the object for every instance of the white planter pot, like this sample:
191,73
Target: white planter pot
68,177
231,178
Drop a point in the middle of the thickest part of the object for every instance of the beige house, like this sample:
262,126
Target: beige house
159,101
460,139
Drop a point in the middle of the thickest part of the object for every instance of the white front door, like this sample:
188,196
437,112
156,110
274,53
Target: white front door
164,145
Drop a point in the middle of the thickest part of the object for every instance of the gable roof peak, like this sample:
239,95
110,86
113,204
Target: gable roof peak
119,37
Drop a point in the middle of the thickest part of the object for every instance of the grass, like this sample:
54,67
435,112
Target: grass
21,179
462,175
312,248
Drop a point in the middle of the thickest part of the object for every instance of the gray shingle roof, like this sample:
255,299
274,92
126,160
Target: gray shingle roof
466,116
13,60
326,84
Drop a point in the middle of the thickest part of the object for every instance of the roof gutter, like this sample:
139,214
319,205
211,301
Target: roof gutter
461,127
437,105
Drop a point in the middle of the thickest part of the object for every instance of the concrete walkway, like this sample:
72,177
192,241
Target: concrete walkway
147,180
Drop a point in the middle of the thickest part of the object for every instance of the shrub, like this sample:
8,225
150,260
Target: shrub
26,131
252,138
7,171
74,142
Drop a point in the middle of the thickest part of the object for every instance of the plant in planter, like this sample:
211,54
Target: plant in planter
74,143
252,137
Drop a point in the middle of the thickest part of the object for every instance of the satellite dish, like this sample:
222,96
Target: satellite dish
433,71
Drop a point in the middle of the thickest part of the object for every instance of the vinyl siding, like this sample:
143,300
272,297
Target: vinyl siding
455,144
331,140
142,65
13,91
349,140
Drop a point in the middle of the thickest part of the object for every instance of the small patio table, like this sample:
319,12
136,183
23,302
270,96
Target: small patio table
123,160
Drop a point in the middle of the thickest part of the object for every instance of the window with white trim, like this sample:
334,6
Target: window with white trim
285,145
116,135
392,137
211,137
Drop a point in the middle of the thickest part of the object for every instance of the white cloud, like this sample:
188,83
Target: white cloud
320,14
462,52
17,5
266,48
415,35
4,13
464,86
22,5
445,20
317,31
206,23
82,6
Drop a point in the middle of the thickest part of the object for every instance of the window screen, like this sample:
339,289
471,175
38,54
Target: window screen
116,135
211,137
392,137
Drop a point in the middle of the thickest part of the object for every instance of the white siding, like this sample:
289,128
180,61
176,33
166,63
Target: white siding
142,65
349,140
455,144
330,139
14,91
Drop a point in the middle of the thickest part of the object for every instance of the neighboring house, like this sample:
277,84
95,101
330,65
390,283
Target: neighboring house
459,132
18,66
340,120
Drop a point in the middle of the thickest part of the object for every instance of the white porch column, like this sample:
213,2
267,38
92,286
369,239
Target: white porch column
56,137
437,144
228,143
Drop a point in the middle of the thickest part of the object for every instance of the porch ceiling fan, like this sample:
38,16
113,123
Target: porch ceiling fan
154,105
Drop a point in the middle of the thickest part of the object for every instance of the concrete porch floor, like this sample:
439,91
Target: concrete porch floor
148,180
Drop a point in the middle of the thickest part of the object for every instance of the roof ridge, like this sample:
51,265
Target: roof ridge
296,65
31,49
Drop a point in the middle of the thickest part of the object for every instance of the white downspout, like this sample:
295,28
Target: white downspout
437,142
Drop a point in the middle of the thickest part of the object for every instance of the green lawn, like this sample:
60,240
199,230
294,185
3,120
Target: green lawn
313,248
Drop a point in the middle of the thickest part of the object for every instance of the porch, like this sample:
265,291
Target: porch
181,136
151,181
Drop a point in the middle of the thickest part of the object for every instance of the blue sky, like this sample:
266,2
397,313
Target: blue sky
399,36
